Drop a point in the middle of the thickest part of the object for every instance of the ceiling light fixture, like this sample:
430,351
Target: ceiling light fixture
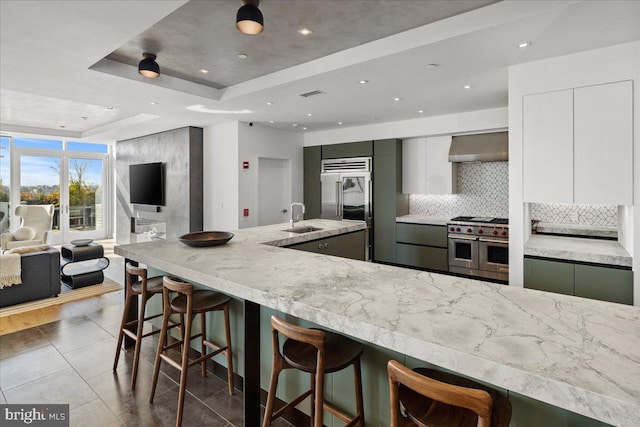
305,31
524,44
148,67
269,103
467,86
243,56
204,71
154,103
270,121
249,19
309,114
339,123
420,111
397,99
363,82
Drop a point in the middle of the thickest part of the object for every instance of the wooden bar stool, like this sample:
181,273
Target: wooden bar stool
188,304
317,352
145,288
434,398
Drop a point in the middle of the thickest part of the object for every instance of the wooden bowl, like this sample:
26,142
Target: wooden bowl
200,239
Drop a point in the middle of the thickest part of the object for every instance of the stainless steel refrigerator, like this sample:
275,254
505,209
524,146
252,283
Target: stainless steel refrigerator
346,189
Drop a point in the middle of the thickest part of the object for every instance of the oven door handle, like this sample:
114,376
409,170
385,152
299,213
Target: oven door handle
462,237
503,242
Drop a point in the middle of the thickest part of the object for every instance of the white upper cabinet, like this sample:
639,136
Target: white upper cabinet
578,145
548,147
603,144
425,166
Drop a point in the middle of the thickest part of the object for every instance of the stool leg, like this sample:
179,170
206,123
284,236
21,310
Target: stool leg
123,324
358,384
162,341
319,398
313,399
227,332
183,370
203,348
136,351
271,397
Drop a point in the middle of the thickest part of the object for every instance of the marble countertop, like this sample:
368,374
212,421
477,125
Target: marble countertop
420,219
578,249
579,354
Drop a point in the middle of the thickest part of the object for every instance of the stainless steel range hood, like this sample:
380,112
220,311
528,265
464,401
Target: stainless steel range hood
486,147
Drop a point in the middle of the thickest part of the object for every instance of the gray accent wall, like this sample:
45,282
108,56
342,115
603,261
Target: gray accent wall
181,152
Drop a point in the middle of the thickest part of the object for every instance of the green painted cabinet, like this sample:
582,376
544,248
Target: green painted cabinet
350,245
588,281
422,246
312,203
349,149
388,200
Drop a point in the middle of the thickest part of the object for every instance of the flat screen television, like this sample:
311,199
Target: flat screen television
146,184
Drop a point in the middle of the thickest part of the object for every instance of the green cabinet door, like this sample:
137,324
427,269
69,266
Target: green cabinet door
550,276
350,245
350,149
388,200
423,257
422,234
312,203
604,283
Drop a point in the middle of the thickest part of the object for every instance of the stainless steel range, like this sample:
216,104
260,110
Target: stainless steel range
479,246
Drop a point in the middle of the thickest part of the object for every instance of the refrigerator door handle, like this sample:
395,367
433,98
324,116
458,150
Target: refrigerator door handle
338,213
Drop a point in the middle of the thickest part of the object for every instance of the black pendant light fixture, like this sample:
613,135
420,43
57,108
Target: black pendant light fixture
249,19
148,67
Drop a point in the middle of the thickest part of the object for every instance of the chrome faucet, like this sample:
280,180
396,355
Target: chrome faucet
294,219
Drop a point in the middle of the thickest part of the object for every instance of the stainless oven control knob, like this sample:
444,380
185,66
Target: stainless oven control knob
452,229
495,231
469,230
504,233
458,229
480,231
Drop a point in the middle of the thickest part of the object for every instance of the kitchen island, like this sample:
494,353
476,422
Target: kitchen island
577,354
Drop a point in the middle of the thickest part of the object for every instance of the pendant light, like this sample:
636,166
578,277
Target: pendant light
249,19
148,67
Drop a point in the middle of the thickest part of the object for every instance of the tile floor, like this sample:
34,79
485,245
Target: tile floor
70,361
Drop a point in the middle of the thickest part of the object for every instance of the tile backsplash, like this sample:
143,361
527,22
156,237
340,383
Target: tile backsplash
595,215
483,190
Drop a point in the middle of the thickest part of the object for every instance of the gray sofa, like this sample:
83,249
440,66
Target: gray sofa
40,278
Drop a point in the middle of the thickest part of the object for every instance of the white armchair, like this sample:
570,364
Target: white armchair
35,223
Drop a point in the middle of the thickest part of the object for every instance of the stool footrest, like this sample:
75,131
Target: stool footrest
291,404
336,412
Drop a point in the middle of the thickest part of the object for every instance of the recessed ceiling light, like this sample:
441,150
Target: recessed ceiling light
432,65
270,121
363,82
467,86
524,44
309,114
269,103
305,31
420,111
295,125
111,108
304,128
243,56
397,99
204,71
154,103
339,123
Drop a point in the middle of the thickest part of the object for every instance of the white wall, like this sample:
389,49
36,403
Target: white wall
228,188
616,63
258,141
220,177
495,119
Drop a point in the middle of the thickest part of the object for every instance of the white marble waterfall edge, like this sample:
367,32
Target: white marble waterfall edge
574,353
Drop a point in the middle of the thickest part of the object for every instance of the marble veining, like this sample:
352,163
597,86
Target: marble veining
578,230
578,249
578,354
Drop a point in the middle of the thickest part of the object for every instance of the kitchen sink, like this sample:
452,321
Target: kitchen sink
304,229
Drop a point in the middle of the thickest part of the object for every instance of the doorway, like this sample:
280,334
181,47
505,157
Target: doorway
274,194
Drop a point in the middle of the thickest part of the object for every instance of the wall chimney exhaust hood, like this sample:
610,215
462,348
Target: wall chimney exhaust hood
486,147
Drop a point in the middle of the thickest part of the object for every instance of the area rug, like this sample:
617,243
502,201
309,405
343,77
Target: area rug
64,297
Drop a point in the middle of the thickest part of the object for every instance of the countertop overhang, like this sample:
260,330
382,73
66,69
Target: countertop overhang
609,252
578,354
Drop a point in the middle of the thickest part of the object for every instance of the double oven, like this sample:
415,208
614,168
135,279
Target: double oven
479,246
